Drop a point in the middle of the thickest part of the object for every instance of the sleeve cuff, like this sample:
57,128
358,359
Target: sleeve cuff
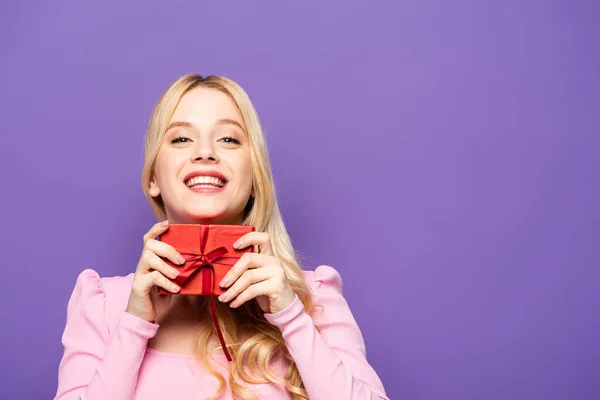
287,314
137,325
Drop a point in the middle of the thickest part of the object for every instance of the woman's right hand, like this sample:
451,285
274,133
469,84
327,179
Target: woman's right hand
151,272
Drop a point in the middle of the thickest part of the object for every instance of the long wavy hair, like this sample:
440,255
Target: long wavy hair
251,340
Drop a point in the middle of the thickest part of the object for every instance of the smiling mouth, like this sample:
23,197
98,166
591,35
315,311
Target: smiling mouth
205,182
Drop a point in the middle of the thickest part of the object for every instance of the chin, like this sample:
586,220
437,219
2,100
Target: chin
205,215
211,217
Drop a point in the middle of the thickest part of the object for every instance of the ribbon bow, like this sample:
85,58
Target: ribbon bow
204,262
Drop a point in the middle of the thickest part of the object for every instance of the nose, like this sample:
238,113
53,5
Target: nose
204,152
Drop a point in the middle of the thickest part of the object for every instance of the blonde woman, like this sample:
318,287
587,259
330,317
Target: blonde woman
289,332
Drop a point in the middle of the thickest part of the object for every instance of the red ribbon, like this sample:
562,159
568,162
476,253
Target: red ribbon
203,262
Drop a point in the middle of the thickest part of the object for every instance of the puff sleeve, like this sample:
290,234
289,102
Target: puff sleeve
332,362
97,363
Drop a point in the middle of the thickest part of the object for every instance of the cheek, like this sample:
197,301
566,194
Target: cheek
241,166
169,163
246,174
167,168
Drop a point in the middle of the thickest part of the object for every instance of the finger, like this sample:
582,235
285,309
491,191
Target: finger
152,262
246,261
248,278
155,278
260,239
143,284
156,230
165,250
263,288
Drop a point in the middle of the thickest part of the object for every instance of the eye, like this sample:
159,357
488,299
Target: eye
180,139
229,139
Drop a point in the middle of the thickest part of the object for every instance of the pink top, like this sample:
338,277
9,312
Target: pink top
106,355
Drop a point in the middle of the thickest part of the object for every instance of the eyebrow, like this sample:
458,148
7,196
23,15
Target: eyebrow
227,121
224,121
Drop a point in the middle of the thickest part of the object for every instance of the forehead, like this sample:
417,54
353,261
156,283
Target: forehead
204,106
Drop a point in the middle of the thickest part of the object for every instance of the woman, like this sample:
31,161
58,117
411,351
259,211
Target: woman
289,332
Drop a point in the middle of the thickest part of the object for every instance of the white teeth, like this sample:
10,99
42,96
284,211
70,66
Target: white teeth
205,186
205,180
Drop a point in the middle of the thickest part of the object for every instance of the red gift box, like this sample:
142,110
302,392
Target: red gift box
209,254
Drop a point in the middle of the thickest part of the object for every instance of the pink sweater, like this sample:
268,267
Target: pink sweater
106,355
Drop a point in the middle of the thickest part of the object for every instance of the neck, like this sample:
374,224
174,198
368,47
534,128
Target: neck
192,304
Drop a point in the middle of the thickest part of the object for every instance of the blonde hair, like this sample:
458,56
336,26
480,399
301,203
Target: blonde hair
262,341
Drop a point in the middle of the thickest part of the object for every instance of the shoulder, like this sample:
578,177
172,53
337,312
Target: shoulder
332,312
106,295
326,287
89,280
324,277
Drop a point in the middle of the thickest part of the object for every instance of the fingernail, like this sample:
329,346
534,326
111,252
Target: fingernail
223,297
238,243
224,282
180,260
174,272
175,288
164,223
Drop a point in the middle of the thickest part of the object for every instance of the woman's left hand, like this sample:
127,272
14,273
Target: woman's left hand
257,275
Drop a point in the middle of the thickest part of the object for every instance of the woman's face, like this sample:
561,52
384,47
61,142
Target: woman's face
204,135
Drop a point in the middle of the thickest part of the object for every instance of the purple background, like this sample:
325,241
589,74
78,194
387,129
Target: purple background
443,156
